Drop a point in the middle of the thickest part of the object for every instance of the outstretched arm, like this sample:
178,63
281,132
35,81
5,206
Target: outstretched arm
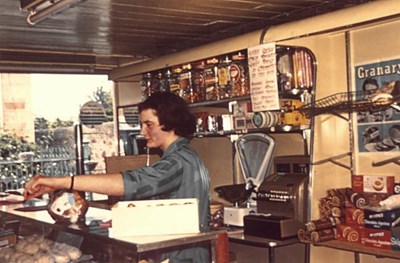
108,184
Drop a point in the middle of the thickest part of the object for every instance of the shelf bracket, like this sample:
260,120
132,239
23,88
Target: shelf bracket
334,160
395,160
337,114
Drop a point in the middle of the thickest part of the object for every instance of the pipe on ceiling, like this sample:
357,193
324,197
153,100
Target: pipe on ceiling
331,22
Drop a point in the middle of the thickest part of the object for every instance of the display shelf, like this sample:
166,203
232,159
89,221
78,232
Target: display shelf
358,248
348,102
218,103
286,129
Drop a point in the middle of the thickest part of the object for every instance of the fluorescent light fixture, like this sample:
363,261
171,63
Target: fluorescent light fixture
40,10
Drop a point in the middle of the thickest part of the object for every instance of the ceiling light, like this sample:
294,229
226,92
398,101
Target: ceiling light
42,9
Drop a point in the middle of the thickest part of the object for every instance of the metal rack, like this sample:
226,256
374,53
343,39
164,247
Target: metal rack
348,102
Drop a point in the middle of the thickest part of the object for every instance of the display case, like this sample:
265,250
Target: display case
92,236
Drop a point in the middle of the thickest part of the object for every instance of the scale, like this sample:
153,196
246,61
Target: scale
255,152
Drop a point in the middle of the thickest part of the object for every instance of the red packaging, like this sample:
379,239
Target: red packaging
373,184
377,238
354,216
348,233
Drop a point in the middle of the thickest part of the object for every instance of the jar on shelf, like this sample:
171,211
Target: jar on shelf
174,82
187,91
167,80
155,81
198,79
285,71
224,82
238,73
302,69
145,86
210,80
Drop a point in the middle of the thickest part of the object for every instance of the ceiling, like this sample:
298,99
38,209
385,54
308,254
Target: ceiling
97,36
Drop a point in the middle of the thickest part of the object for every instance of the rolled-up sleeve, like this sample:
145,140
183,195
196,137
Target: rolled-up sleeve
161,178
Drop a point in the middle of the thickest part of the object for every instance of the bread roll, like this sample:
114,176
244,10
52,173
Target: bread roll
44,258
61,257
46,245
74,253
6,253
32,248
20,245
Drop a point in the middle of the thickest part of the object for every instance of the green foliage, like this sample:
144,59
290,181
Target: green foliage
105,100
59,123
11,146
41,124
45,131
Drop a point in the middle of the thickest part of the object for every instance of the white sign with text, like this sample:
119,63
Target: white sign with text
263,77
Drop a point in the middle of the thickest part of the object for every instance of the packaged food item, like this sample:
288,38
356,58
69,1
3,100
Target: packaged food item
186,90
382,219
67,207
373,184
210,79
349,233
224,81
145,86
174,81
163,84
377,238
198,80
238,74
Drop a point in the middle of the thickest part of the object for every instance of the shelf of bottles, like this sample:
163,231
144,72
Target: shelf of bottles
221,80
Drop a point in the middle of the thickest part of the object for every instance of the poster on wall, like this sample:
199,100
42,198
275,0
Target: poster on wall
378,131
263,77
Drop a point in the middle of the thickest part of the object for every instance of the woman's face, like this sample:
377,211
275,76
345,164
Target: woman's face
151,130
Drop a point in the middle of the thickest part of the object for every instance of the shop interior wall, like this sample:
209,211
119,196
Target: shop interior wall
376,44
127,92
332,135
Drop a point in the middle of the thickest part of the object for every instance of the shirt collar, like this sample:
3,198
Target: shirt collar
177,144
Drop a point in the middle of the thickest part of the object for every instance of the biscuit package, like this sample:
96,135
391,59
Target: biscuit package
373,184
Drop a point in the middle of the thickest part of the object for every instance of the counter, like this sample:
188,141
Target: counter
94,239
357,249
250,249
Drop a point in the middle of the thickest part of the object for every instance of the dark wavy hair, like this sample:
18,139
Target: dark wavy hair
172,112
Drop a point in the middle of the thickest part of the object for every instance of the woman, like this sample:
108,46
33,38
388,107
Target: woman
167,124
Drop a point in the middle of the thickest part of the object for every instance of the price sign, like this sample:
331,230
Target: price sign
263,77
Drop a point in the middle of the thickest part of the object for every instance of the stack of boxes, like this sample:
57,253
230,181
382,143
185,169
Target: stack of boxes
364,222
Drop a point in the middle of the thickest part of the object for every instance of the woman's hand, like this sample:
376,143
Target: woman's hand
38,186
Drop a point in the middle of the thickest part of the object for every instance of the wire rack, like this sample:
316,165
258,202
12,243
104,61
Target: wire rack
345,102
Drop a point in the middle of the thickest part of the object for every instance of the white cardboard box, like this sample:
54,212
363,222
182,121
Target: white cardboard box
155,217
